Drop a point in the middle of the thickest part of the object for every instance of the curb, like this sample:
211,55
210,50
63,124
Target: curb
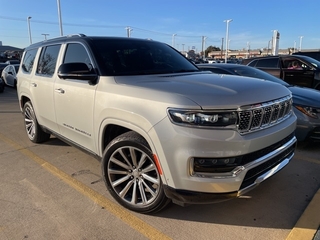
309,222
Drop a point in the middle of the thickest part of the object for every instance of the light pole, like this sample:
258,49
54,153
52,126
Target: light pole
300,43
45,35
294,46
173,35
29,29
129,30
203,47
227,40
60,19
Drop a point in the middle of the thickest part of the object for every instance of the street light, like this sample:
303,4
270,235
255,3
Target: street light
300,42
45,35
29,30
227,36
60,19
173,35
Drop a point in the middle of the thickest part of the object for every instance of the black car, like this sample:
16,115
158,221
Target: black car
294,69
1,85
306,101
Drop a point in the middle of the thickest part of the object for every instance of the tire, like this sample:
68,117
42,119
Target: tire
33,129
131,175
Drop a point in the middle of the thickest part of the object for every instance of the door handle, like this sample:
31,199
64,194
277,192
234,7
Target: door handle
33,84
59,90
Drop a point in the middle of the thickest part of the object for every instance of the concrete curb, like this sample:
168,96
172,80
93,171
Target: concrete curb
309,222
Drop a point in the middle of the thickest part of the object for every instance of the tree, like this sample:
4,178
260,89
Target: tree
211,49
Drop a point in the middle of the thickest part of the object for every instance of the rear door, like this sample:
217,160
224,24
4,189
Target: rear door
41,77
269,65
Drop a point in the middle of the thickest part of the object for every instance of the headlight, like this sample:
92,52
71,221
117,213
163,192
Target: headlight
309,111
191,118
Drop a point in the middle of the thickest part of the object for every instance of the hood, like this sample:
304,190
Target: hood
209,90
305,96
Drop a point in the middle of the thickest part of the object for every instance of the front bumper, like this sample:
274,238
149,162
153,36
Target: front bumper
272,163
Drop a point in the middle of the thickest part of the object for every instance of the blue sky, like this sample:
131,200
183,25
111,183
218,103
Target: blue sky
253,21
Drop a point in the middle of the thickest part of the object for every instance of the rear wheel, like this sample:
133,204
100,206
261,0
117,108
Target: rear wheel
131,175
34,131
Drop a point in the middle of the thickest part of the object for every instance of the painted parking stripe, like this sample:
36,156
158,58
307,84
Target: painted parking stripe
120,212
309,222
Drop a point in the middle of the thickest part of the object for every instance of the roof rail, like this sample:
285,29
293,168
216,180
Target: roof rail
76,35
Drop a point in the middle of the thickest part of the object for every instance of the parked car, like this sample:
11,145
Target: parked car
2,66
12,62
9,75
306,101
282,66
163,129
1,85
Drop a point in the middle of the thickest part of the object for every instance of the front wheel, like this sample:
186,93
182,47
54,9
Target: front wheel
34,131
131,175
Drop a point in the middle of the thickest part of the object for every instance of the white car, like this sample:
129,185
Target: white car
163,130
9,74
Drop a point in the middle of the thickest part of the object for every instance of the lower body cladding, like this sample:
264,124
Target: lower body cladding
229,170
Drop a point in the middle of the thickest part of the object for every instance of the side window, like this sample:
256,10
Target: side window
28,60
76,53
48,60
253,63
268,63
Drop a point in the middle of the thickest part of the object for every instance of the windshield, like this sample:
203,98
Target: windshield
311,60
137,57
256,73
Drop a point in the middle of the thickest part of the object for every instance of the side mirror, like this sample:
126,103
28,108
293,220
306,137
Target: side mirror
77,70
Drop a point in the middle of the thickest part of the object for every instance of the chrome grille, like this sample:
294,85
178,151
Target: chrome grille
263,115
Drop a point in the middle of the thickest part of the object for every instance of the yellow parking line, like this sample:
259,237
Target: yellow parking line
126,216
309,222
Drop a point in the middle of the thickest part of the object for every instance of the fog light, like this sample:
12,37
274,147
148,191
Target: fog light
215,165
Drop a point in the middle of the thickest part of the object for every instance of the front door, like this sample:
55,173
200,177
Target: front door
296,72
74,102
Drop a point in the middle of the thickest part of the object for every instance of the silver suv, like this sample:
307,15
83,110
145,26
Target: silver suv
165,130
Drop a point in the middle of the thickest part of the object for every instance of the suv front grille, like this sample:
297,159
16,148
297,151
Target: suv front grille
263,115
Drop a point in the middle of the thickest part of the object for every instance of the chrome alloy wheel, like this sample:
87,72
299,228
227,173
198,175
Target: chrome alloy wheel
30,122
133,176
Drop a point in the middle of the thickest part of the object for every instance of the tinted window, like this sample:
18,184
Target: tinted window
135,57
48,60
28,60
268,63
215,70
76,53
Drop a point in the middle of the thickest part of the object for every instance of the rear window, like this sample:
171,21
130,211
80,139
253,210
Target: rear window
28,60
268,63
48,60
